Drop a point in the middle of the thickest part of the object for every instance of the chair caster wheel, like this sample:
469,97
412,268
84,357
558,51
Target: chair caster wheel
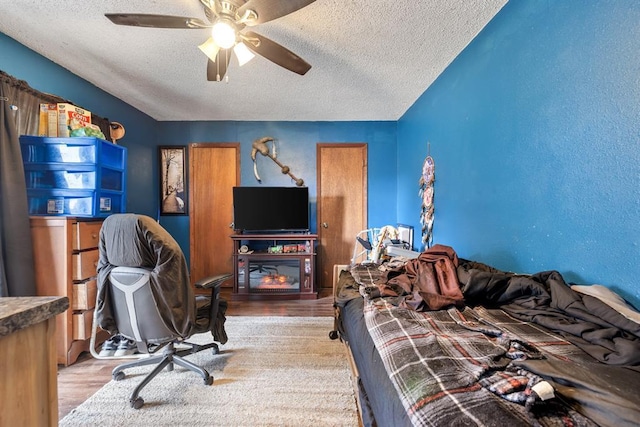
215,350
333,335
209,380
137,404
118,376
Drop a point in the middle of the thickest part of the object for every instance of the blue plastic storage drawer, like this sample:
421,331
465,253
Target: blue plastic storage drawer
57,153
63,176
74,202
38,149
63,179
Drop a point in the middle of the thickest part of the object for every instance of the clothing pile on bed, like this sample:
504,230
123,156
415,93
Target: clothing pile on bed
467,344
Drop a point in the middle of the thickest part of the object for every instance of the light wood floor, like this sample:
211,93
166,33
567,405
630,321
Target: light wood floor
77,382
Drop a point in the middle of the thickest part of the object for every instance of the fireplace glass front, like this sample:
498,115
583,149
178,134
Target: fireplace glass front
271,276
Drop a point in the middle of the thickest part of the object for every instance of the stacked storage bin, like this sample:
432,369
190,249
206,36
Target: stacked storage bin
84,177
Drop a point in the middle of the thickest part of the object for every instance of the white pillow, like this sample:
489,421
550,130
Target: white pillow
610,298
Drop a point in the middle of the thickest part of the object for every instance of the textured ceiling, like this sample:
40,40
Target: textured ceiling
370,59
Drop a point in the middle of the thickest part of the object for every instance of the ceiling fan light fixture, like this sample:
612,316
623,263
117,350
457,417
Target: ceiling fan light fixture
243,53
226,20
223,33
210,48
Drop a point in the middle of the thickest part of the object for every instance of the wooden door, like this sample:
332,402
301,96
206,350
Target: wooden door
342,205
214,169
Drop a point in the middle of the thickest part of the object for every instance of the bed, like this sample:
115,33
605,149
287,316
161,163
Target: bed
441,341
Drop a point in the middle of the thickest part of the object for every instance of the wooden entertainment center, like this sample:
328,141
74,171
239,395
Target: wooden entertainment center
274,266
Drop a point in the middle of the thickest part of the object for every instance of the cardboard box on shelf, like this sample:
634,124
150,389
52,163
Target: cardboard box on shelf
48,125
57,120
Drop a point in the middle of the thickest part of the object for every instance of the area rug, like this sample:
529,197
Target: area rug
273,371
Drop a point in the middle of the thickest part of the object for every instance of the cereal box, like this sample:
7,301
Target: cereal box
57,120
71,117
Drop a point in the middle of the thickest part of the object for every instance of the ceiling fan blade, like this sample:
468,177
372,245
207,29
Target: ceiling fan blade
155,21
216,70
211,9
268,10
209,14
275,53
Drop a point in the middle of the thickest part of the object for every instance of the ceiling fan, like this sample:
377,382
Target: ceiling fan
227,20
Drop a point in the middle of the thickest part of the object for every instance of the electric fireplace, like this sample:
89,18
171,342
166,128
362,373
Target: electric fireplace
274,266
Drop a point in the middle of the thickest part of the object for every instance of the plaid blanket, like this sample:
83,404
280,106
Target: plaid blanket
453,367
368,274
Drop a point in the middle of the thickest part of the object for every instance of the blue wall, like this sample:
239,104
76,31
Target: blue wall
535,132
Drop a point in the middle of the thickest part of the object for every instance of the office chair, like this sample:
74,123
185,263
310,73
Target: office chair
145,295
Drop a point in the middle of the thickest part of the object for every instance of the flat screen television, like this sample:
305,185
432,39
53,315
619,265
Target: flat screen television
271,209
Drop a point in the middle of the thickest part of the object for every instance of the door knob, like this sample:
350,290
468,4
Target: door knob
325,225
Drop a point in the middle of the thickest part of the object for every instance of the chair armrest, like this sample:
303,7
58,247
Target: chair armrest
213,281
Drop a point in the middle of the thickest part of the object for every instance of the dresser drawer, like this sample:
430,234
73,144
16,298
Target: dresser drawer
85,264
82,321
84,295
86,235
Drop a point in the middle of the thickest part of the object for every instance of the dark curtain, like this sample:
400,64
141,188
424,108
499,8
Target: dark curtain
19,115
17,276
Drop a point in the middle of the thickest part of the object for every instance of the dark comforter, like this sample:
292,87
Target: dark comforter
479,364
545,299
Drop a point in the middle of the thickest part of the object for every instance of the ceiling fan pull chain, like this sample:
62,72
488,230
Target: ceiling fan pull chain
226,61
218,69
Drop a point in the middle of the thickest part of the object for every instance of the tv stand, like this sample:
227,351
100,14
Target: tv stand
274,266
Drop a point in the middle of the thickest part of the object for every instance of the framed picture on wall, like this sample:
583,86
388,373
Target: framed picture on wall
173,185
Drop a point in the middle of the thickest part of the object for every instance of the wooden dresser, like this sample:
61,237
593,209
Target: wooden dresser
66,257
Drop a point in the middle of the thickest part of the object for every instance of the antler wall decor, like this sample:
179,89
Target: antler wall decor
260,146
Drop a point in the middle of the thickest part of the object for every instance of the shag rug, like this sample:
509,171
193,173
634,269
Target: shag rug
273,371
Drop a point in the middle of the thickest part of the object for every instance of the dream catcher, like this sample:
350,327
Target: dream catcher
427,180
